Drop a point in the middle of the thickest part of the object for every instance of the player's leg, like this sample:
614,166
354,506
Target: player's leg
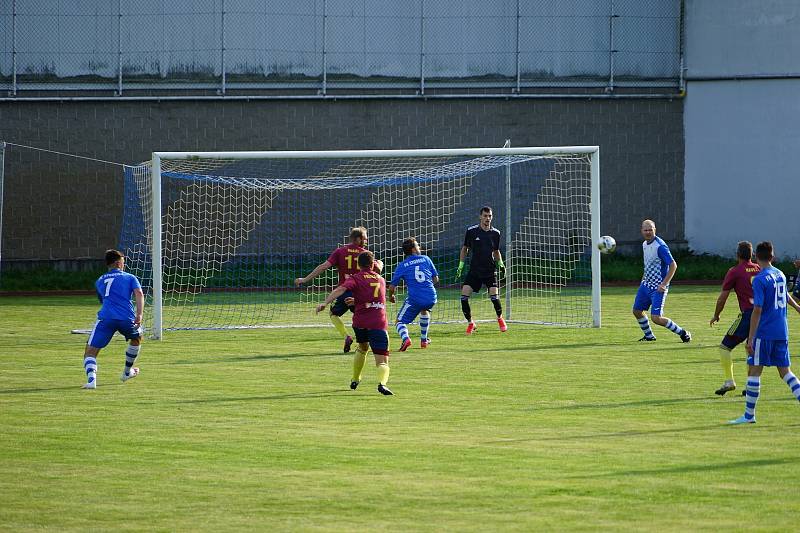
782,361
755,362
379,342
467,289
405,316
133,334
640,305
424,325
360,356
338,309
657,314
98,339
494,297
736,334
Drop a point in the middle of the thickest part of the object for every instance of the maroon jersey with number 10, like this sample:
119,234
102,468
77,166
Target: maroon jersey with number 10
740,279
369,291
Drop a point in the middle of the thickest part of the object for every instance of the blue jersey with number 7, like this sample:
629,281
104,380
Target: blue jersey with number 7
769,293
114,289
418,273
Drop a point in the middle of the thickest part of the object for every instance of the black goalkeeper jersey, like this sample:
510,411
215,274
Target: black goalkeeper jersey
481,244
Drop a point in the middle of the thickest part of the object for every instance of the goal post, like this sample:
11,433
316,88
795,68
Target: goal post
217,238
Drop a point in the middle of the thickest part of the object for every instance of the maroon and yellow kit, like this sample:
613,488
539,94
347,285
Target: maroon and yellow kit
740,279
369,292
345,259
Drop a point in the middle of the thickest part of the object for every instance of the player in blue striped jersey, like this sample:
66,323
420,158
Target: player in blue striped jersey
768,341
114,290
659,268
419,275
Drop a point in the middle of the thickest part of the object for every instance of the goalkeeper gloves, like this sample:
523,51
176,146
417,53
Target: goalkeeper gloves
459,270
501,267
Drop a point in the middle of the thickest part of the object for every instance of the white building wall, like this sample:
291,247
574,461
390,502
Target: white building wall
742,124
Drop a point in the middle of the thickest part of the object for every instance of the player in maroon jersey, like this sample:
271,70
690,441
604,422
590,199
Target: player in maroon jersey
345,259
739,279
368,289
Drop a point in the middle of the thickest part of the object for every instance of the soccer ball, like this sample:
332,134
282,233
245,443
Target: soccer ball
607,244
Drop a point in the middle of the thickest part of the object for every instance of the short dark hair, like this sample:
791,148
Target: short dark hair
764,251
357,232
366,259
408,245
744,250
112,256
486,209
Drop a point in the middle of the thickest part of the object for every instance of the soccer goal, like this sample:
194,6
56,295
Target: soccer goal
217,238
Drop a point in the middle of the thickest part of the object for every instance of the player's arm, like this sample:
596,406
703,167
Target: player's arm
390,293
673,267
322,267
435,279
335,293
793,303
461,257
755,318
138,295
721,299
498,261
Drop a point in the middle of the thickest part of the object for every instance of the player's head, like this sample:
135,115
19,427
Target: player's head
486,216
744,250
115,258
764,252
359,236
648,229
366,260
410,246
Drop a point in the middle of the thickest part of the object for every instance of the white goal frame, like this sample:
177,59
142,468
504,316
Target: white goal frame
156,327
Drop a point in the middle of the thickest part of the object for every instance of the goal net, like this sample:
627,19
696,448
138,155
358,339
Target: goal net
217,239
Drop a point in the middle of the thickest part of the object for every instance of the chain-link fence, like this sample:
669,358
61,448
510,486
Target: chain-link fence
350,46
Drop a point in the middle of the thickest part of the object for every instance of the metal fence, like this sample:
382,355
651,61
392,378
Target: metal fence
350,46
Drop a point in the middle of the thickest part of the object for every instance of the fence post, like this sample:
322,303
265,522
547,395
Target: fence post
222,48
324,47
421,46
517,51
14,48
611,50
119,47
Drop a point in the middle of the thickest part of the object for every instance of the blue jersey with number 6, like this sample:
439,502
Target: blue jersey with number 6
114,289
769,293
418,273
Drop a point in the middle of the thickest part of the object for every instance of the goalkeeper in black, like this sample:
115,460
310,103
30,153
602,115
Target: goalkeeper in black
483,241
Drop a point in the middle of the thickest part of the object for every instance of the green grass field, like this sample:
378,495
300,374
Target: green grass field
537,429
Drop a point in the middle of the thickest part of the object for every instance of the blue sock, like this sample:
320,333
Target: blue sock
752,391
794,385
673,327
131,353
402,330
424,323
90,365
644,323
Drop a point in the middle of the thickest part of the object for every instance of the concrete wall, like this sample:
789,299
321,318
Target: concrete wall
57,208
742,120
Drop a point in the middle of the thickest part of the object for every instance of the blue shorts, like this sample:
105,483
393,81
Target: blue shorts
103,330
645,297
378,339
339,307
409,310
769,353
738,331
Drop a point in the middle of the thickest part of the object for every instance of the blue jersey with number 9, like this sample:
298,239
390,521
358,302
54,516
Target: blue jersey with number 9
418,273
769,293
114,289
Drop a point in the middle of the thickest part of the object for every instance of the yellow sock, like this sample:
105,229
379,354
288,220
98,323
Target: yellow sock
383,373
339,325
358,364
726,360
